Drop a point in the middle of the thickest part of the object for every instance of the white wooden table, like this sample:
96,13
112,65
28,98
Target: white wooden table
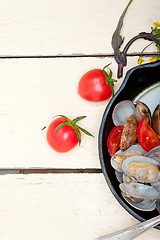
45,47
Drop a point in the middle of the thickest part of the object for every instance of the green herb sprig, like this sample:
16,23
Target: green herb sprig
117,41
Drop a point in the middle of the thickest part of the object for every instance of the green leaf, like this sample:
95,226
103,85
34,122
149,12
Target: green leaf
109,79
85,131
78,134
106,76
110,74
66,118
61,125
112,89
116,38
77,119
106,66
112,80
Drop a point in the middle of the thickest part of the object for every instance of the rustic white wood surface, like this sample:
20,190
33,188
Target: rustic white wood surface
61,207
35,89
32,92
50,27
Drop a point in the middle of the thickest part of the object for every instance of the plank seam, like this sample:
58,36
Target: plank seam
4,171
75,55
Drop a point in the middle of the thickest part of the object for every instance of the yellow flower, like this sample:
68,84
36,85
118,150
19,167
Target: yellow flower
140,60
154,59
156,24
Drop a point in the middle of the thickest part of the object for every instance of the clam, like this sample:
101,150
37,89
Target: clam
141,169
131,199
156,185
139,190
119,176
143,205
154,153
126,179
138,172
142,110
156,120
120,156
158,205
117,160
129,133
122,111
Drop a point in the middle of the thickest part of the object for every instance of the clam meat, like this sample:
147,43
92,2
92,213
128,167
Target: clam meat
141,169
120,156
137,171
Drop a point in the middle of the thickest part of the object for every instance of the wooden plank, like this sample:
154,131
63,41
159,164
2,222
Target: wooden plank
61,207
4,171
32,92
54,27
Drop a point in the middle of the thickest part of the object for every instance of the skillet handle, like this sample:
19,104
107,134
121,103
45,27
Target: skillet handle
133,231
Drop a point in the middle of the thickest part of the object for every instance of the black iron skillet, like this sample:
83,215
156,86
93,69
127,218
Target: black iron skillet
135,81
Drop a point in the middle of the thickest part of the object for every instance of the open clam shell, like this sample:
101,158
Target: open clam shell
144,205
141,169
119,176
139,190
142,110
156,185
120,156
154,153
122,111
126,179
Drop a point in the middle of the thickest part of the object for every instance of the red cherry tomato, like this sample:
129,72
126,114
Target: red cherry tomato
93,87
146,136
114,139
64,139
